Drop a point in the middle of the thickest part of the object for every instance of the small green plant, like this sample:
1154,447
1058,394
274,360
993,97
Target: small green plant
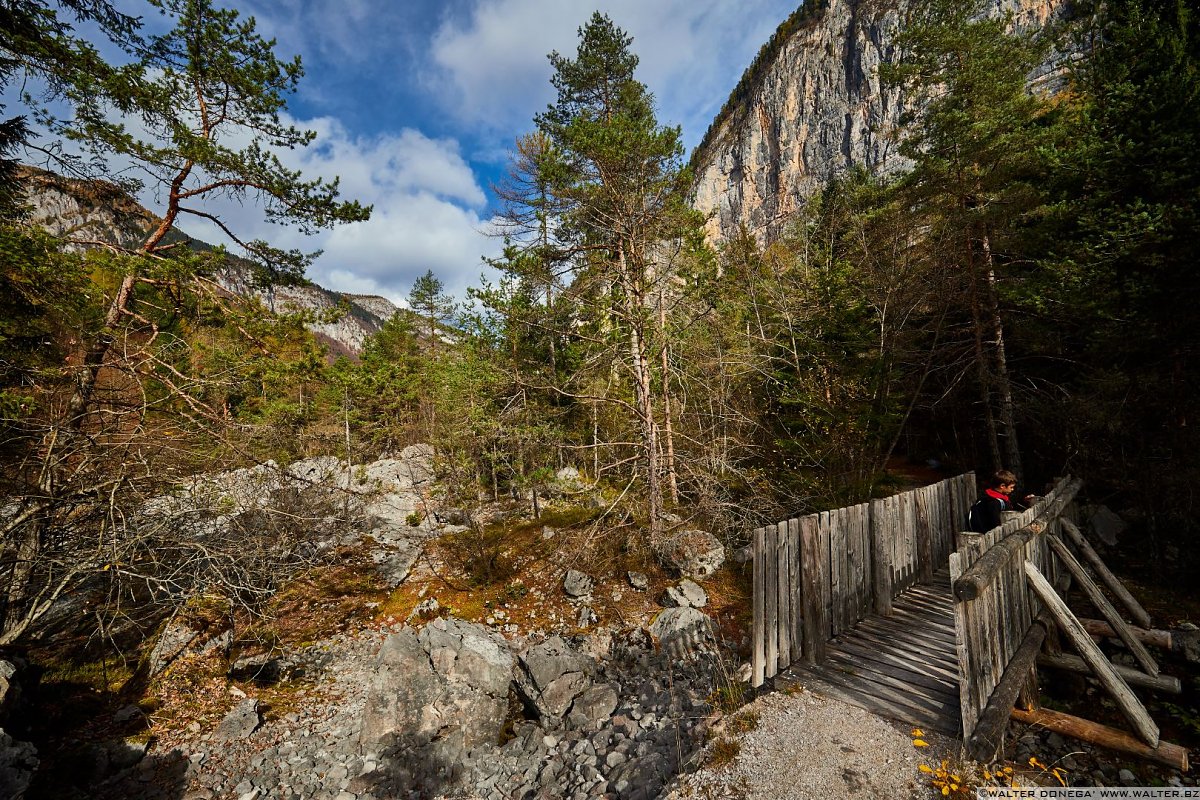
413,519
723,752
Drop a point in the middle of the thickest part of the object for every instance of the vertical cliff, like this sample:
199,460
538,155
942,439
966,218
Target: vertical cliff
810,109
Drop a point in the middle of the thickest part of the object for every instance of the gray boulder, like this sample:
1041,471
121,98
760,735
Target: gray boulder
687,594
682,632
577,584
551,676
593,707
1107,525
18,761
692,553
639,581
176,636
239,723
437,694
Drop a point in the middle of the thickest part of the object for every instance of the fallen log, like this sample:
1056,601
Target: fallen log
1171,755
1134,677
1150,636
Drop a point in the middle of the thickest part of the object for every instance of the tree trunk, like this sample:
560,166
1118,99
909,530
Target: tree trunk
668,431
981,366
1003,385
643,393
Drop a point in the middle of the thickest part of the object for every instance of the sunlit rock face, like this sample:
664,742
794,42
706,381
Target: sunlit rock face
814,110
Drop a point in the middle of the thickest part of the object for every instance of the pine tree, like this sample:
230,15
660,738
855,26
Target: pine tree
618,182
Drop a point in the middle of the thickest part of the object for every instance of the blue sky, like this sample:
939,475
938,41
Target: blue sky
417,104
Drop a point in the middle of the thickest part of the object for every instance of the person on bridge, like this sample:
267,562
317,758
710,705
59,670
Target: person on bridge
987,512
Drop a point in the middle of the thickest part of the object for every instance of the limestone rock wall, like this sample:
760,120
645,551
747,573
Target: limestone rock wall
818,108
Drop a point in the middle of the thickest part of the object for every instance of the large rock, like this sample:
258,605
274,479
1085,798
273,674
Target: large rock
239,723
437,694
551,676
682,631
1107,525
593,707
18,761
687,594
578,584
692,553
175,637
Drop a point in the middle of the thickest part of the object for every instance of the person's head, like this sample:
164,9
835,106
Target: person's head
1004,481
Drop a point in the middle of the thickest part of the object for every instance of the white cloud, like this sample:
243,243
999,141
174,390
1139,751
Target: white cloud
427,212
493,69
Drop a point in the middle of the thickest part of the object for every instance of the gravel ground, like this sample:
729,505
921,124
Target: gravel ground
808,746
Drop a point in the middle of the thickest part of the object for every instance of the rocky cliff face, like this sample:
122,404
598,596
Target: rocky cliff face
812,111
82,212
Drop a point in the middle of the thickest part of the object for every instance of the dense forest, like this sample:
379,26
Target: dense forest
1023,297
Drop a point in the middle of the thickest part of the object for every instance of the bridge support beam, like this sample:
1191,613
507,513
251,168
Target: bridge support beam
1171,755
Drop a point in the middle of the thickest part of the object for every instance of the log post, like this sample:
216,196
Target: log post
1098,599
988,736
1160,683
1126,700
1171,755
1112,581
1152,637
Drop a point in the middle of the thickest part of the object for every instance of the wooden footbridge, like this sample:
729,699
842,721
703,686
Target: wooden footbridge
889,606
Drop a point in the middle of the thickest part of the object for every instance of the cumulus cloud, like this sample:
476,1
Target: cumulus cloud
493,70
428,212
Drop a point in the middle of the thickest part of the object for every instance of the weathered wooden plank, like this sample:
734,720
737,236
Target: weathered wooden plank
903,698
1097,598
795,577
924,535
1126,700
938,698
924,673
758,635
881,558
946,724
837,575
968,692
812,591
1154,638
826,573
784,598
771,542
1112,581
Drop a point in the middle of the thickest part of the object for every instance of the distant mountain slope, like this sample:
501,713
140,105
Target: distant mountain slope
93,211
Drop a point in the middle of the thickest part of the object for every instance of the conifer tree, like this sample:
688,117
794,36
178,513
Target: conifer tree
618,182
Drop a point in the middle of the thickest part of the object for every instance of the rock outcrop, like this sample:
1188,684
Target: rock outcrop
810,112
90,211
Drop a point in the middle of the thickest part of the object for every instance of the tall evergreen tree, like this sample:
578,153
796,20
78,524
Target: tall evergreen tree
973,132
618,181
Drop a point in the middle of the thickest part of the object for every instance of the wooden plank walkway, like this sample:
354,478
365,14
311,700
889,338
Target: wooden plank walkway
903,667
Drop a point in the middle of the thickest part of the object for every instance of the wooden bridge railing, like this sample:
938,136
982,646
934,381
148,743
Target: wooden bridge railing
994,608
816,577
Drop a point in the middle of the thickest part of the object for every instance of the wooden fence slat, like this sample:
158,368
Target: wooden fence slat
826,574
812,590
924,535
795,577
837,560
758,636
881,564
967,697
1126,700
771,563
784,596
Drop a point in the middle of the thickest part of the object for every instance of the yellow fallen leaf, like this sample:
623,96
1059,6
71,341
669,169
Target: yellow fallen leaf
920,743
918,732
945,790
925,768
